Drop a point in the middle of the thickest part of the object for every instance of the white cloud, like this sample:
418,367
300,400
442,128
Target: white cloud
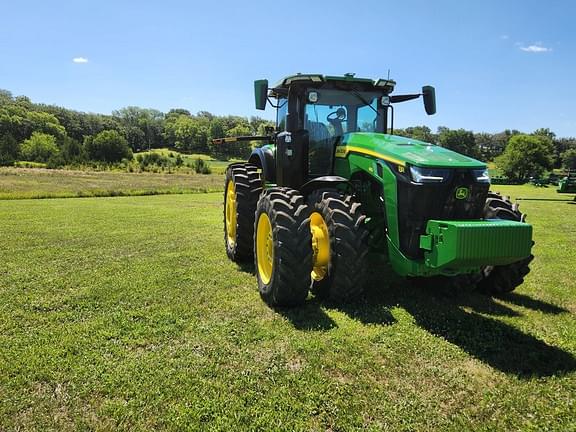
535,48
80,60
504,37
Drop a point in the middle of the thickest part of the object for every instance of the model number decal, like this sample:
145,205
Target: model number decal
341,151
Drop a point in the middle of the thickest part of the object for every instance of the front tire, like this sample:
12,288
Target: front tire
242,188
498,280
341,276
283,257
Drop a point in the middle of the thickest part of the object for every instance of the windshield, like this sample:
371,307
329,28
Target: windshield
337,112
329,114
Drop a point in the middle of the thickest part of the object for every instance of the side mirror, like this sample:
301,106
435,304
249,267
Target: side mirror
261,93
429,99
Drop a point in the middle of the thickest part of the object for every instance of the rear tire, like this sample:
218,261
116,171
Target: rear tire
283,256
242,188
345,274
498,280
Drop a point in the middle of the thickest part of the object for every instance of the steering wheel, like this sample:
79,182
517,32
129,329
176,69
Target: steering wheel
337,116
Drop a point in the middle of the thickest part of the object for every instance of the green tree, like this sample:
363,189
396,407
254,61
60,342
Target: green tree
187,134
421,133
460,140
561,145
8,149
39,147
545,132
149,121
526,156
569,159
486,146
136,138
5,97
107,146
72,151
241,149
175,112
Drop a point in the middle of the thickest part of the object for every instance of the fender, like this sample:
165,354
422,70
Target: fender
264,158
330,181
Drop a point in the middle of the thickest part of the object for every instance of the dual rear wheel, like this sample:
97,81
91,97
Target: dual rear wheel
298,244
318,244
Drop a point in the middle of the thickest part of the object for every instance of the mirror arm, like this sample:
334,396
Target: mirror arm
274,106
404,98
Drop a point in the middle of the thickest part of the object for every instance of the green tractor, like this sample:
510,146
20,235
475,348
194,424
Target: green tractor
332,183
568,183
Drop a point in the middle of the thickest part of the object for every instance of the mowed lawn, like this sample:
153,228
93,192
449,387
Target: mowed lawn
124,314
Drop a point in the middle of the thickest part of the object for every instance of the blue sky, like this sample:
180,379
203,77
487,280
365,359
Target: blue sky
495,64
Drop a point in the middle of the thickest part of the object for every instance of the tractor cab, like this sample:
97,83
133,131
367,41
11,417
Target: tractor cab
314,112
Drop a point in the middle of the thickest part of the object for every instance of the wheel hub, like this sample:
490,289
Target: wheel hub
320,246
230,214
264,248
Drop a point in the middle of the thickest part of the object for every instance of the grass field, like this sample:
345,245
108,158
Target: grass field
217,166
124,314
18,183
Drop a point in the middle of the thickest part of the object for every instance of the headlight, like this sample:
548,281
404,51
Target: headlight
481,175
429,175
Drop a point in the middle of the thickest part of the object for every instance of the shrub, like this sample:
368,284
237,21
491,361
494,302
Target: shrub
107,146
39,147
55,161
153,159
201,166
26,164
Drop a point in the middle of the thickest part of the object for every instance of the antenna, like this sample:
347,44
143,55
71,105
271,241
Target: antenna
388,74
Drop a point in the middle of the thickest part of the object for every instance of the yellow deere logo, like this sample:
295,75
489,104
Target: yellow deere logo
462,193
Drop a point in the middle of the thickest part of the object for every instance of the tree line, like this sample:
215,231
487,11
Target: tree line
58,136
518,155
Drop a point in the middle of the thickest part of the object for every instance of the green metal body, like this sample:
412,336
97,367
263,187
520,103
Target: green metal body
456,245
451,247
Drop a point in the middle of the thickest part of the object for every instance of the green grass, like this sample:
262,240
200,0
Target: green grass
125,314
19,183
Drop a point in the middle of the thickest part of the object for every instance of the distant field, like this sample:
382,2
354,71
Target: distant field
125,314
17,183
217,166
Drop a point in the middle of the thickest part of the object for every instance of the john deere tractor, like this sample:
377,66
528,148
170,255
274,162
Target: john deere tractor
331,182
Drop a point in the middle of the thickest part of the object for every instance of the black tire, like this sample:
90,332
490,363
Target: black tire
289,280
347,269
498,280
247,184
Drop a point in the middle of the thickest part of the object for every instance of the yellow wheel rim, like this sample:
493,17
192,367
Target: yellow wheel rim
320,246
264,248
230,214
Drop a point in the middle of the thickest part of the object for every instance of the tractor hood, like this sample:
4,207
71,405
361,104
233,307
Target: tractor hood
402,151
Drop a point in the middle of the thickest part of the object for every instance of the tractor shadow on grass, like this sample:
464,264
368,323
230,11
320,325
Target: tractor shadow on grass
308,317
459,318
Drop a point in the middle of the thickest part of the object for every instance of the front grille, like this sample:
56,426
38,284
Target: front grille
418,203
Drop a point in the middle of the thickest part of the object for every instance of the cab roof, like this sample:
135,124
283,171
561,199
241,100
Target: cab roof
318,80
